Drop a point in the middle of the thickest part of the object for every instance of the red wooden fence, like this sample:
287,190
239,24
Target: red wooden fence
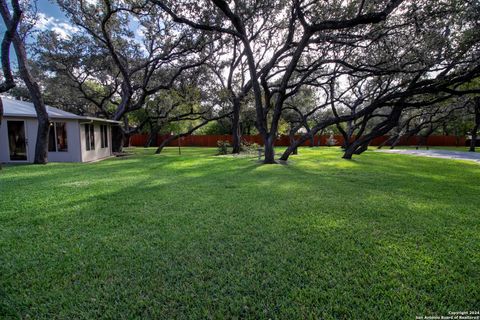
139,140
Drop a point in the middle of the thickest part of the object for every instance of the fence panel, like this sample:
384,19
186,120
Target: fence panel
139,140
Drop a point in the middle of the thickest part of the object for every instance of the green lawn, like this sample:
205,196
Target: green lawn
198,236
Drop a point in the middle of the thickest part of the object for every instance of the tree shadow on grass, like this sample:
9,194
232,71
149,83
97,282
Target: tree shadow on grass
238,239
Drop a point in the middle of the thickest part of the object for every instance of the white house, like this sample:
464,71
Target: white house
72,138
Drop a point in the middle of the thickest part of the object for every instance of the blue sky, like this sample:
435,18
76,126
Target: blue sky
49,9
46,8
50,17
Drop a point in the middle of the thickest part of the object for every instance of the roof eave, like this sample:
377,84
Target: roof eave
79,118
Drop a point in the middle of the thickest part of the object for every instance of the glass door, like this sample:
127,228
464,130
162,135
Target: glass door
17,141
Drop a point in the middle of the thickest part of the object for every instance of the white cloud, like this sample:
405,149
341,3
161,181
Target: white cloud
43,21
63,29
92,2
140,32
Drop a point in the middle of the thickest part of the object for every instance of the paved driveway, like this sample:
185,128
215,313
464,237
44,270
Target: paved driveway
445,154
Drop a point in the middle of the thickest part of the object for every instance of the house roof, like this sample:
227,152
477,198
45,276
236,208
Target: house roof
17,108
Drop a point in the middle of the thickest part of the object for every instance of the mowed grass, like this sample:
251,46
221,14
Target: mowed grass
199,236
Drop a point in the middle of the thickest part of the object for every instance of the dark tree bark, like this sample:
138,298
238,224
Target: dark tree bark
11,27
269,104
362,148
236,130
388,141
346,137
291,136
312,138
424,138
41,146
1,111
269,145
361,144
473,141
395,142
349,134
165,142
320,135
126,139
152,136
118,138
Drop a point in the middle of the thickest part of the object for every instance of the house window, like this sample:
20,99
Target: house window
104,135
90,137
57,137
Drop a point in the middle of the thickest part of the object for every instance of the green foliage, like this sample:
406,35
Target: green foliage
216,128
175,110
222,146
248,147
197,236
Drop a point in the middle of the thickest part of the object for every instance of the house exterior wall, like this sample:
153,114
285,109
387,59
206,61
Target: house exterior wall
73,154
75,138
98,152
30,135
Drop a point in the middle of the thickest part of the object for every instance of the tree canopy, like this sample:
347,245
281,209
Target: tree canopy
363,68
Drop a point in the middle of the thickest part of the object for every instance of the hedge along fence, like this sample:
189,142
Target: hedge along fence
139,140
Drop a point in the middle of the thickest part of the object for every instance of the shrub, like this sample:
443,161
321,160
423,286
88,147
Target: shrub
331,141
222,146
249,147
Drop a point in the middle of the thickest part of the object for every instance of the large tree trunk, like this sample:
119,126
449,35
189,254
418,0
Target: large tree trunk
41,145
386,142
319,141
286,154
152,136
118,138
291,136
408,135
346,137
396,141
236,130
358,146
1,119
164,143
361,144
473,141
11,27
348,153
362,148
1,111
11,24
312,139
269,142
152,139
424,138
